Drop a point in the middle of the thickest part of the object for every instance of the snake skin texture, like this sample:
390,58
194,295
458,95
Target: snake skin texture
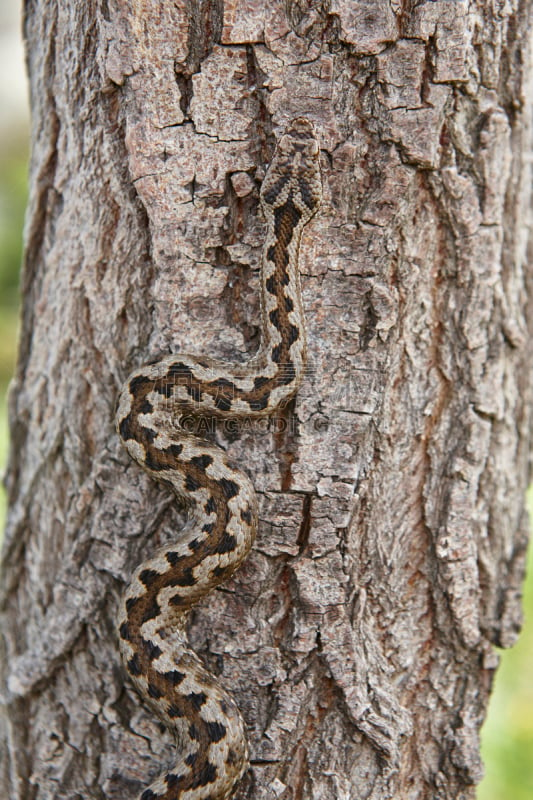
213,751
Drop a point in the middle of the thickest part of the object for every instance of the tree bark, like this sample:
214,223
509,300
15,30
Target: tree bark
358,637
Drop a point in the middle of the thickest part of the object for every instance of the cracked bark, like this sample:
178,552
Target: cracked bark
358,637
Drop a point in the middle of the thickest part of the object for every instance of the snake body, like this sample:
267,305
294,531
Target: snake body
152,405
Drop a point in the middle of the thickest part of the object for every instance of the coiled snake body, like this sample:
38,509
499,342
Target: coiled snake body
223,518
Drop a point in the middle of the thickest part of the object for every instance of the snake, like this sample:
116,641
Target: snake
153,406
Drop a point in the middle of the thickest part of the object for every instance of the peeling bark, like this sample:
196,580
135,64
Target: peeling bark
358,637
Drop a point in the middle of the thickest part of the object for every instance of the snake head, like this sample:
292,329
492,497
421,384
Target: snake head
294,171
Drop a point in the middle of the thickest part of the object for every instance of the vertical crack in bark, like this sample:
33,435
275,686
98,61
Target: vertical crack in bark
303,534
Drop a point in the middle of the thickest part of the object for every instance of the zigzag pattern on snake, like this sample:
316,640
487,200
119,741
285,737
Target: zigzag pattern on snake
223,517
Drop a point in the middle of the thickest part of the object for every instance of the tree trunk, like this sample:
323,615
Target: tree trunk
358,637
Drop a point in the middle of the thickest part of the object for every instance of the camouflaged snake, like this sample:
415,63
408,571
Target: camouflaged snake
213,751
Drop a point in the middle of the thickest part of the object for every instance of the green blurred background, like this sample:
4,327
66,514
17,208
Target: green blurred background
508,732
